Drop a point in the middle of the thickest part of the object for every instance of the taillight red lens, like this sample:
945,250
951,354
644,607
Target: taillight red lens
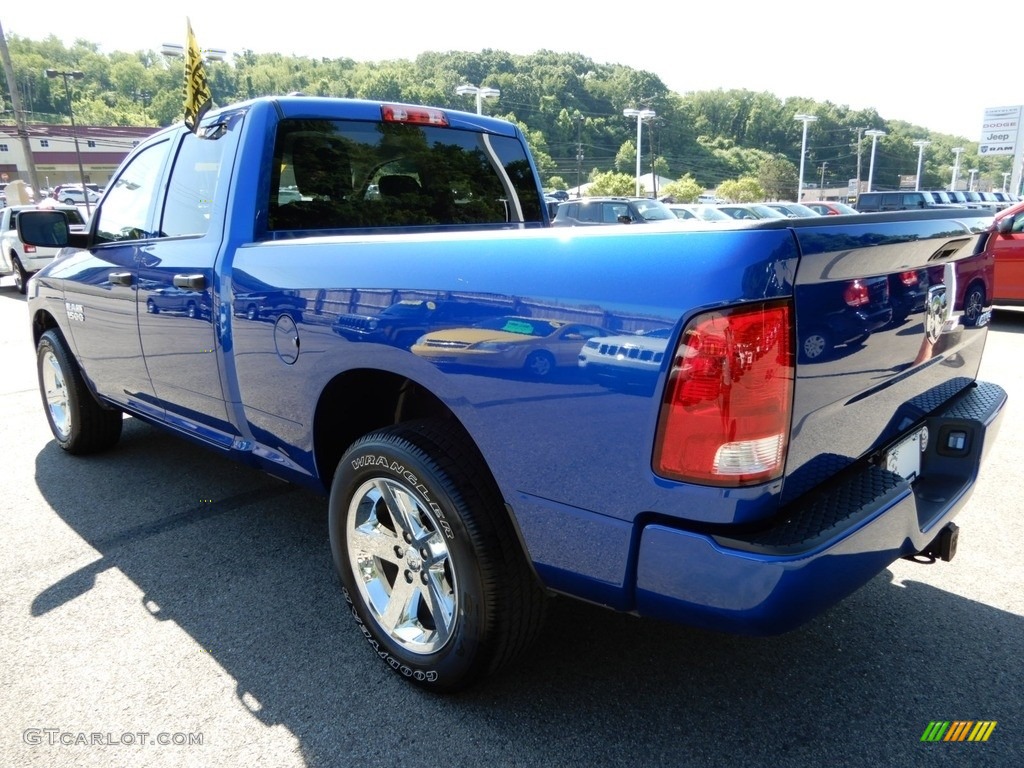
908,278
400,113
856,294
726,412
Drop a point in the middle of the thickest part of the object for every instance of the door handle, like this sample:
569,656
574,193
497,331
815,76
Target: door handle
196,282
120,278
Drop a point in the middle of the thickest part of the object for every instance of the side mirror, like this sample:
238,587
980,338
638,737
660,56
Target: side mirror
46,229
625,219
1004,226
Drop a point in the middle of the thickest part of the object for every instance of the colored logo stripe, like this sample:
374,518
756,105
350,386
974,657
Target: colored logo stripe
958,730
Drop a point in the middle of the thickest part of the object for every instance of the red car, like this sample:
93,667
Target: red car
1007,244
829,207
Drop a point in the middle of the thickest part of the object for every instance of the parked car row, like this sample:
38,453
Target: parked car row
904,200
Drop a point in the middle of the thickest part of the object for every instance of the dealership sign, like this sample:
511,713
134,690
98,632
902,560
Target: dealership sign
1000,131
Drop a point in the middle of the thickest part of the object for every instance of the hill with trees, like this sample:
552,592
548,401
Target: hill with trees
569,106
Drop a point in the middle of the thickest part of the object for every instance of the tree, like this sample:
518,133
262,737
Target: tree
612,184
778,177
557,182
745,189
684,190
625,158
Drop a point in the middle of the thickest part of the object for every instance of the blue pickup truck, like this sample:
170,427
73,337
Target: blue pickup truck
791,439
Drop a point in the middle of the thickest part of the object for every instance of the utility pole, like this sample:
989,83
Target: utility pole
860,132
579,152
19,115
821,187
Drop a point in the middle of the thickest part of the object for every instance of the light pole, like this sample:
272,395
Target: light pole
640,115
481,93
970,184
75,75
874,133
956,167
803,152
1006,180
920,144
178,51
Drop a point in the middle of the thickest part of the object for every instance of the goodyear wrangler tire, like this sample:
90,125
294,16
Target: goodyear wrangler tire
79,423
429,562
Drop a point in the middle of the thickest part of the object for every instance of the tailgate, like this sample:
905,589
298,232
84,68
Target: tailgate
881,336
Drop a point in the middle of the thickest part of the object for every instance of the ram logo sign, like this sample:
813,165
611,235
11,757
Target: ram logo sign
1000,131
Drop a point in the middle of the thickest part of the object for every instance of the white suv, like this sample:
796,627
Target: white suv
75,196
22,260
625,360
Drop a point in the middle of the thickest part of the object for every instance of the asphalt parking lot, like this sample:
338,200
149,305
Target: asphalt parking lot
162,606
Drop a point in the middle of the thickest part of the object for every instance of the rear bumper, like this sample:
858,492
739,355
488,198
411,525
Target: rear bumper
828,543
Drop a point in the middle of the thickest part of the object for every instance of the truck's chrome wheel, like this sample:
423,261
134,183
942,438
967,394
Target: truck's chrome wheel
55,393
402,567
78,421
430,565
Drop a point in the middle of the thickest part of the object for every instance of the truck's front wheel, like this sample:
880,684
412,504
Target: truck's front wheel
428,560
78,421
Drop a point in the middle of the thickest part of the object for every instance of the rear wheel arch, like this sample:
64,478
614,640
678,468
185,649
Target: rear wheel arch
383,399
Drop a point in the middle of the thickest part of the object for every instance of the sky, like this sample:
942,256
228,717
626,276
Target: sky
939,69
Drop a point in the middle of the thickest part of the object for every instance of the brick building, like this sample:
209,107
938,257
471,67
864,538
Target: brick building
53,150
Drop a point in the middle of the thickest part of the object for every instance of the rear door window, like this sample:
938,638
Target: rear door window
338,174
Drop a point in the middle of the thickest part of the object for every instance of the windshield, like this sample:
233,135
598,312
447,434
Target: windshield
407,309
654,210
522,325
767,212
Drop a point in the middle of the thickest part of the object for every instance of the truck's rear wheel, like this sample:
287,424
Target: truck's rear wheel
428,559
79,423
20,275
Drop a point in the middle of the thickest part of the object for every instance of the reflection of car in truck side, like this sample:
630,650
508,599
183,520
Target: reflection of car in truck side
748,489
406,320
627,359
534,345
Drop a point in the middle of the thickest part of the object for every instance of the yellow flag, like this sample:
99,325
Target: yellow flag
198,98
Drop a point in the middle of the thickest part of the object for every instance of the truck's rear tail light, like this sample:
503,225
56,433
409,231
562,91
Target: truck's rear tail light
399,113
725,416
856,294
908,278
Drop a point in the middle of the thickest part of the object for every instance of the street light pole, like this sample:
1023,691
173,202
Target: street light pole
956,167
75,75
481,93
970,184
874,133
1006,180
920,144
803,154
640,115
